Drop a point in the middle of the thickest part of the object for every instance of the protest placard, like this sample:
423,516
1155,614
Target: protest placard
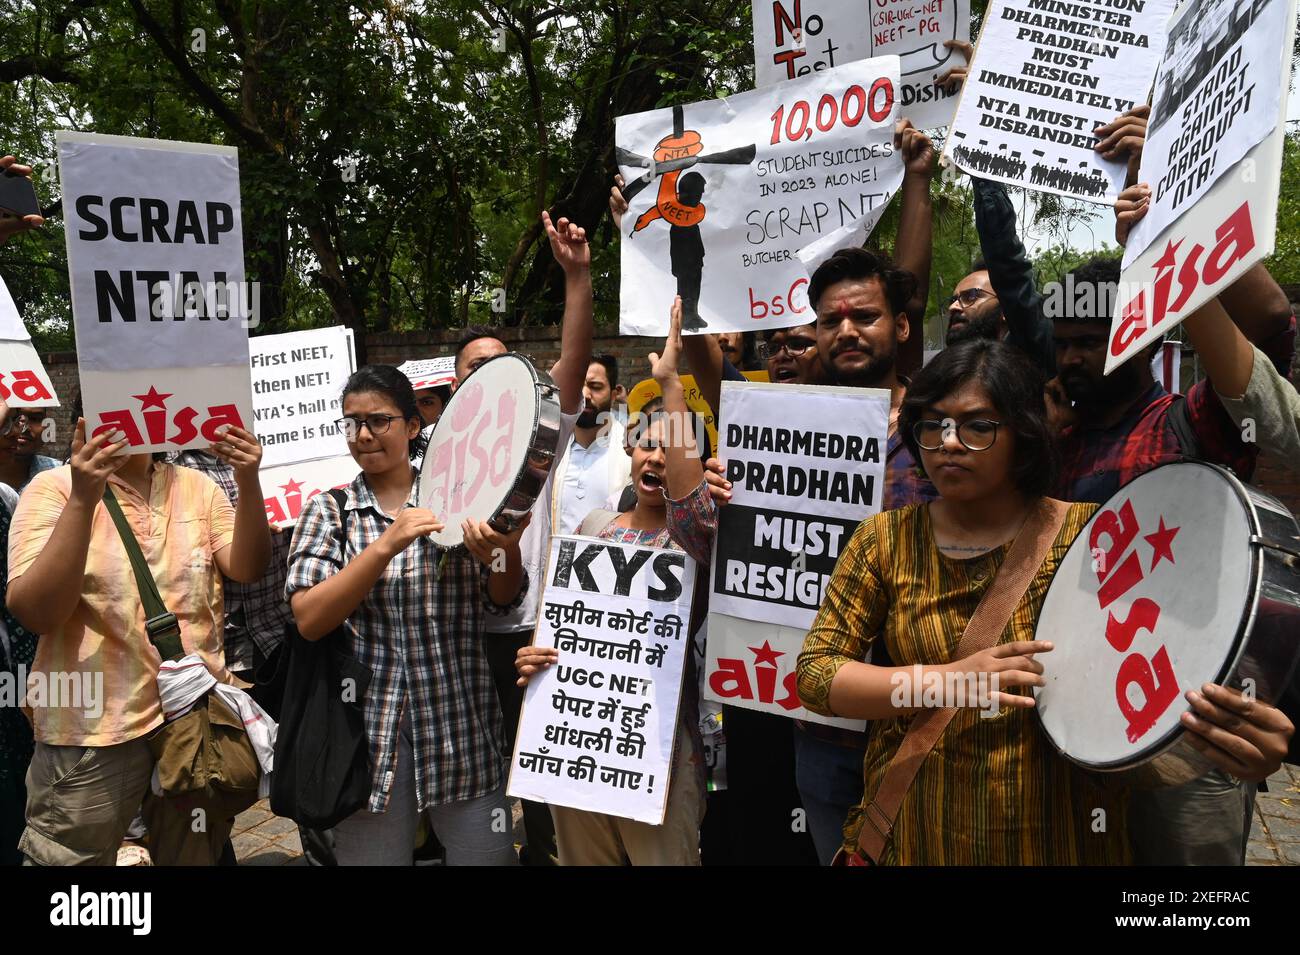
429,372
159,302
1212,240
1218,93
24,382
807,465
797,37
298,380
287,489
733,202
1046,74
596,730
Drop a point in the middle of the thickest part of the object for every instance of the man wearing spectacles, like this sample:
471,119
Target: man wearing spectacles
974,310
791,355
20,439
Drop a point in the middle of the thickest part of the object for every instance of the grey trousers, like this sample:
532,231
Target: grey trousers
1204,822
474,832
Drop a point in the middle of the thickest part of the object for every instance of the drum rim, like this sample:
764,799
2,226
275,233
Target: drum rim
1173,736
540,380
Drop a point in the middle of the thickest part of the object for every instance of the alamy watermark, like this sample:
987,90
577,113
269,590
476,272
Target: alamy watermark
56,689
928,688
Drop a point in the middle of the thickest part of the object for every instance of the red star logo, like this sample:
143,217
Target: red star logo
293,487
765,654
1162,543
1168,260
152,400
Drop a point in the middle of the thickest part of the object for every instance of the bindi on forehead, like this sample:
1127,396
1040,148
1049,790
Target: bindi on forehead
843,308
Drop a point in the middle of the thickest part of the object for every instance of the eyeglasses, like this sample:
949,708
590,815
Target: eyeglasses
793,347
20,421
975,435
968,297
377,423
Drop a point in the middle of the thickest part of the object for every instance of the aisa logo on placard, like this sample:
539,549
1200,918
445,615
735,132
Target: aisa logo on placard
79,908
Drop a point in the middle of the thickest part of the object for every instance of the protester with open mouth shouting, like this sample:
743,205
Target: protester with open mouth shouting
673,509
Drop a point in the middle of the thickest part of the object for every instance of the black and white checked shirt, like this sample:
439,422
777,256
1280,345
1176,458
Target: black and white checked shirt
419,631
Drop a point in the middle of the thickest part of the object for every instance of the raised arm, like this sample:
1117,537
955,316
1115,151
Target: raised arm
685,470
569,246
1011,274
914,249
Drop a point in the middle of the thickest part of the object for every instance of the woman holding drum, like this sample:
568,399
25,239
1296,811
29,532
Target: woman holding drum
412,614
979,784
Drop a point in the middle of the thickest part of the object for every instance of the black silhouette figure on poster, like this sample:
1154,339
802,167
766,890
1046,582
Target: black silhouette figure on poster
679,204
1040,174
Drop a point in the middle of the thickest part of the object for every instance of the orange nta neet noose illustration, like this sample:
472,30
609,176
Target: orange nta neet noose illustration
678,203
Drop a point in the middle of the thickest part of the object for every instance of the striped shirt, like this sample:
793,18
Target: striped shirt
993,791
185,521
418,630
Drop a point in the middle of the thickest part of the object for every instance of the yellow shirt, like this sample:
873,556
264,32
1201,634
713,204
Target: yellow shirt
186,520
993,791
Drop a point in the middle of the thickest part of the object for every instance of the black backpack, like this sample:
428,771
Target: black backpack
322,755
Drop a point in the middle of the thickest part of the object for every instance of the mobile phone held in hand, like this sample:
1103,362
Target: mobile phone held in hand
18,195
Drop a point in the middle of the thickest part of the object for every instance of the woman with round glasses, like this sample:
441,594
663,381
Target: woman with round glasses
413,614
992,791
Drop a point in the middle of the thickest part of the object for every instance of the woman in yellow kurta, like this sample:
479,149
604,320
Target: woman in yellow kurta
992,791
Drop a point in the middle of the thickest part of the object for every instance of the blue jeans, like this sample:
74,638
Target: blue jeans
830,781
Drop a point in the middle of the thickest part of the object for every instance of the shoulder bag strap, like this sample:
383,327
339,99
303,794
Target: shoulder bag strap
594,523
983,631
160,624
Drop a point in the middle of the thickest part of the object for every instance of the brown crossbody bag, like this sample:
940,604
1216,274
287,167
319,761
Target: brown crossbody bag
983,631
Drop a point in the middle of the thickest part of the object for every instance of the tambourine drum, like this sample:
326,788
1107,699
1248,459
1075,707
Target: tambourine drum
1185,577
492,448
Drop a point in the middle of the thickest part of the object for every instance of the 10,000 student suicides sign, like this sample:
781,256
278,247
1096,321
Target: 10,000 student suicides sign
156,267
1046,74
597,728
806,466
733,202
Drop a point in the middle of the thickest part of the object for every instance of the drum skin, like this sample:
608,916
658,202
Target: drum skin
1185,577
492,449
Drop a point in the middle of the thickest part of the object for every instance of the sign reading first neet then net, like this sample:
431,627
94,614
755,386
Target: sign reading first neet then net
806,465
597,728
733,202
793,38
1212,240
298,380
1046,74
156,267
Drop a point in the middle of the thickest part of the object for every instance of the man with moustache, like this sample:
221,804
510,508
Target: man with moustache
595,465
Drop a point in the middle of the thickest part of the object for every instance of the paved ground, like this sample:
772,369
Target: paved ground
261,838
1275,837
